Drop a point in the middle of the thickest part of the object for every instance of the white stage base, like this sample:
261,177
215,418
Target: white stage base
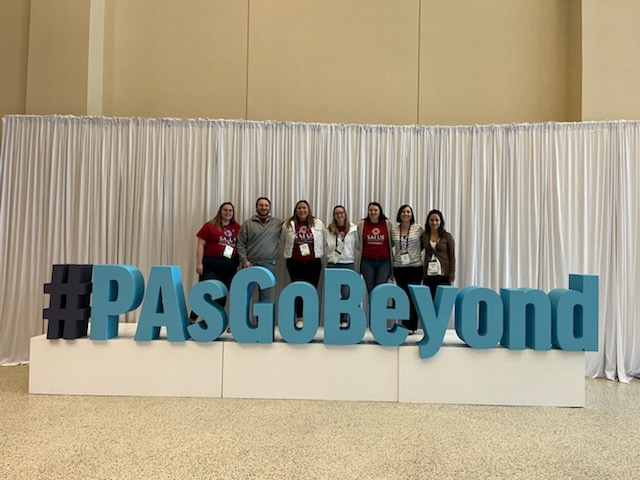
496,376
122,366
367,371
313,371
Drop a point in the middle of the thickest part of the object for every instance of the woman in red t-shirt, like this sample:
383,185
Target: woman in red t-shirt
216,253
374,241
304,244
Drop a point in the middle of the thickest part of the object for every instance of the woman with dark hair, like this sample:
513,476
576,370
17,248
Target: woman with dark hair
440,256
304,244
407,258
341,245
216,253
374,243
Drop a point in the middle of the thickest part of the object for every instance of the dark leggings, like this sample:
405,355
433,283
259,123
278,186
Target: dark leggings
304,272
433,281
406,276
218,268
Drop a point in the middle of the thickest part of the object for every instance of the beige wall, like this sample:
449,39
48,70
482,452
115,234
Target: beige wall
174,58
574,60
334,61
494,61
58,57
353,61
611,63
14,41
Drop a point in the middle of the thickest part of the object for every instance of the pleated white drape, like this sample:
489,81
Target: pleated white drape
527,204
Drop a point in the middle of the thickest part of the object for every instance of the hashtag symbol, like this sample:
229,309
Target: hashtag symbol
69,301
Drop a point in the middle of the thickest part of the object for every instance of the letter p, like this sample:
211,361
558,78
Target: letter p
117,289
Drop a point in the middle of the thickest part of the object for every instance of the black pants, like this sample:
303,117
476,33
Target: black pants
218,268
433,281
304,272
406,276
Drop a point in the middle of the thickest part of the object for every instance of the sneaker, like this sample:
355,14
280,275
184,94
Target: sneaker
344,324
299,324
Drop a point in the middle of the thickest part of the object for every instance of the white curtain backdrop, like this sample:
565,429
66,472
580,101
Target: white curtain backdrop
527,204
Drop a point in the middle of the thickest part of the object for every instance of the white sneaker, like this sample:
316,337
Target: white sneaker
299,324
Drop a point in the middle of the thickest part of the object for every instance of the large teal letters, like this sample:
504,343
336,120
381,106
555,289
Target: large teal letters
574,314
240,309
117,289
518,318
433,315
479,317
164,306
286,312
527,319
334,305
202,298
380,313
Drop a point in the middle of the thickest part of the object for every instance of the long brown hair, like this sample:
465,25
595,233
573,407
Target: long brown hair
217,220
441,229
333,225
311,220
382,217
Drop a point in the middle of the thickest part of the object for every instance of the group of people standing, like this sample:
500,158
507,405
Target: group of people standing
379,249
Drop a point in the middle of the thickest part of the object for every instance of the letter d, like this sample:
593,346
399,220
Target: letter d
574,314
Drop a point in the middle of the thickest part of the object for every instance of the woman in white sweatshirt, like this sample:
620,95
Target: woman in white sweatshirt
341,246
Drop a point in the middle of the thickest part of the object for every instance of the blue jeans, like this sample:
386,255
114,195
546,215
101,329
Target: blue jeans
375,271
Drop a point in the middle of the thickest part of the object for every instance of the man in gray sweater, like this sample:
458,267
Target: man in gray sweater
258,241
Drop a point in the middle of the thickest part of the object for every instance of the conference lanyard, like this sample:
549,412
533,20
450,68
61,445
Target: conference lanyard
339,241
404,243
303,245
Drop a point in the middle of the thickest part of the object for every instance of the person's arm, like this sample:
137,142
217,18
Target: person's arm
320,229
288,235
421,232
329,246
390,244
282,235
359,236
357,254
241,245
452,258
200,255
390,227
424,238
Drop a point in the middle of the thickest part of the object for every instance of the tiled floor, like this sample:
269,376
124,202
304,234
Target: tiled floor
53,437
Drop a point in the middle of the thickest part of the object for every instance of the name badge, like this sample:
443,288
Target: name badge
433,268
304,249
334,257
228,251
404,259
